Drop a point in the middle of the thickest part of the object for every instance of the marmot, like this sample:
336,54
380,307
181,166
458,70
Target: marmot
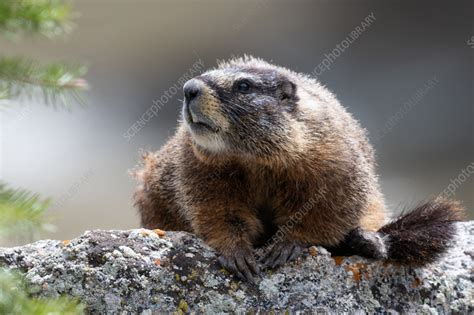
267,156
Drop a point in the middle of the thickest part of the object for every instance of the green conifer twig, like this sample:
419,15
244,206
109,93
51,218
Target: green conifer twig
21,212
47,17
56,82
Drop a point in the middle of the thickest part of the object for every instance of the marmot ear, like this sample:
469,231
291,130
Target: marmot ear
287,89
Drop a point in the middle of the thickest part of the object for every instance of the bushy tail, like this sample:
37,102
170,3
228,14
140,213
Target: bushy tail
423,234
417,237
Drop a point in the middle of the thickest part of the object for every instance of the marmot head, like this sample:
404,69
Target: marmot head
245,107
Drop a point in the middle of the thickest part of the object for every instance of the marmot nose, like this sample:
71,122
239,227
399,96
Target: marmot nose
191,89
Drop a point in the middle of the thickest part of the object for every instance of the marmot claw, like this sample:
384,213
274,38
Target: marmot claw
281,253
242,264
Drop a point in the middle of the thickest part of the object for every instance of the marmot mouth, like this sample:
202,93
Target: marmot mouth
198,123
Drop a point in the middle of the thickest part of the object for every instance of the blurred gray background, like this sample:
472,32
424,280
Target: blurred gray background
137,50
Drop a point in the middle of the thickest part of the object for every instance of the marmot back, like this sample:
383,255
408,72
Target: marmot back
265,162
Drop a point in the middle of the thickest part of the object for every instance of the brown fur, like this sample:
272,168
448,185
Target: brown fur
293,147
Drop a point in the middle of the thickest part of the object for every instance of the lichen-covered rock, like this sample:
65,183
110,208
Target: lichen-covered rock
146,271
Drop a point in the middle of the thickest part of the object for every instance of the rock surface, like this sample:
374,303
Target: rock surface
142,271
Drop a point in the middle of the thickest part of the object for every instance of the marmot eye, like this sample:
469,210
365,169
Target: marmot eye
243,86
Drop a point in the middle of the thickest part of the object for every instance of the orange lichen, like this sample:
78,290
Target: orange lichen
66,242
366,274
157,262
159,232
416,282
357,270
338,260
313,251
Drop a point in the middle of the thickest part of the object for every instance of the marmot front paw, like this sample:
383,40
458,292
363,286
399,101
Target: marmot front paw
241,263
281,253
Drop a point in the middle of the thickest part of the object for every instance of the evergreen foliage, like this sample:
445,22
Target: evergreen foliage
22,213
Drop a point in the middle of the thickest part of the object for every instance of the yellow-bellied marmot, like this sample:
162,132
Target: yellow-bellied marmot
268,157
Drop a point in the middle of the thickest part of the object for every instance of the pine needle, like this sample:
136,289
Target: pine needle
56,83
21,212
47,17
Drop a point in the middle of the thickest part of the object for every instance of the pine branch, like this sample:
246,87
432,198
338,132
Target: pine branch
21,212
15,298
56,82
47,17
